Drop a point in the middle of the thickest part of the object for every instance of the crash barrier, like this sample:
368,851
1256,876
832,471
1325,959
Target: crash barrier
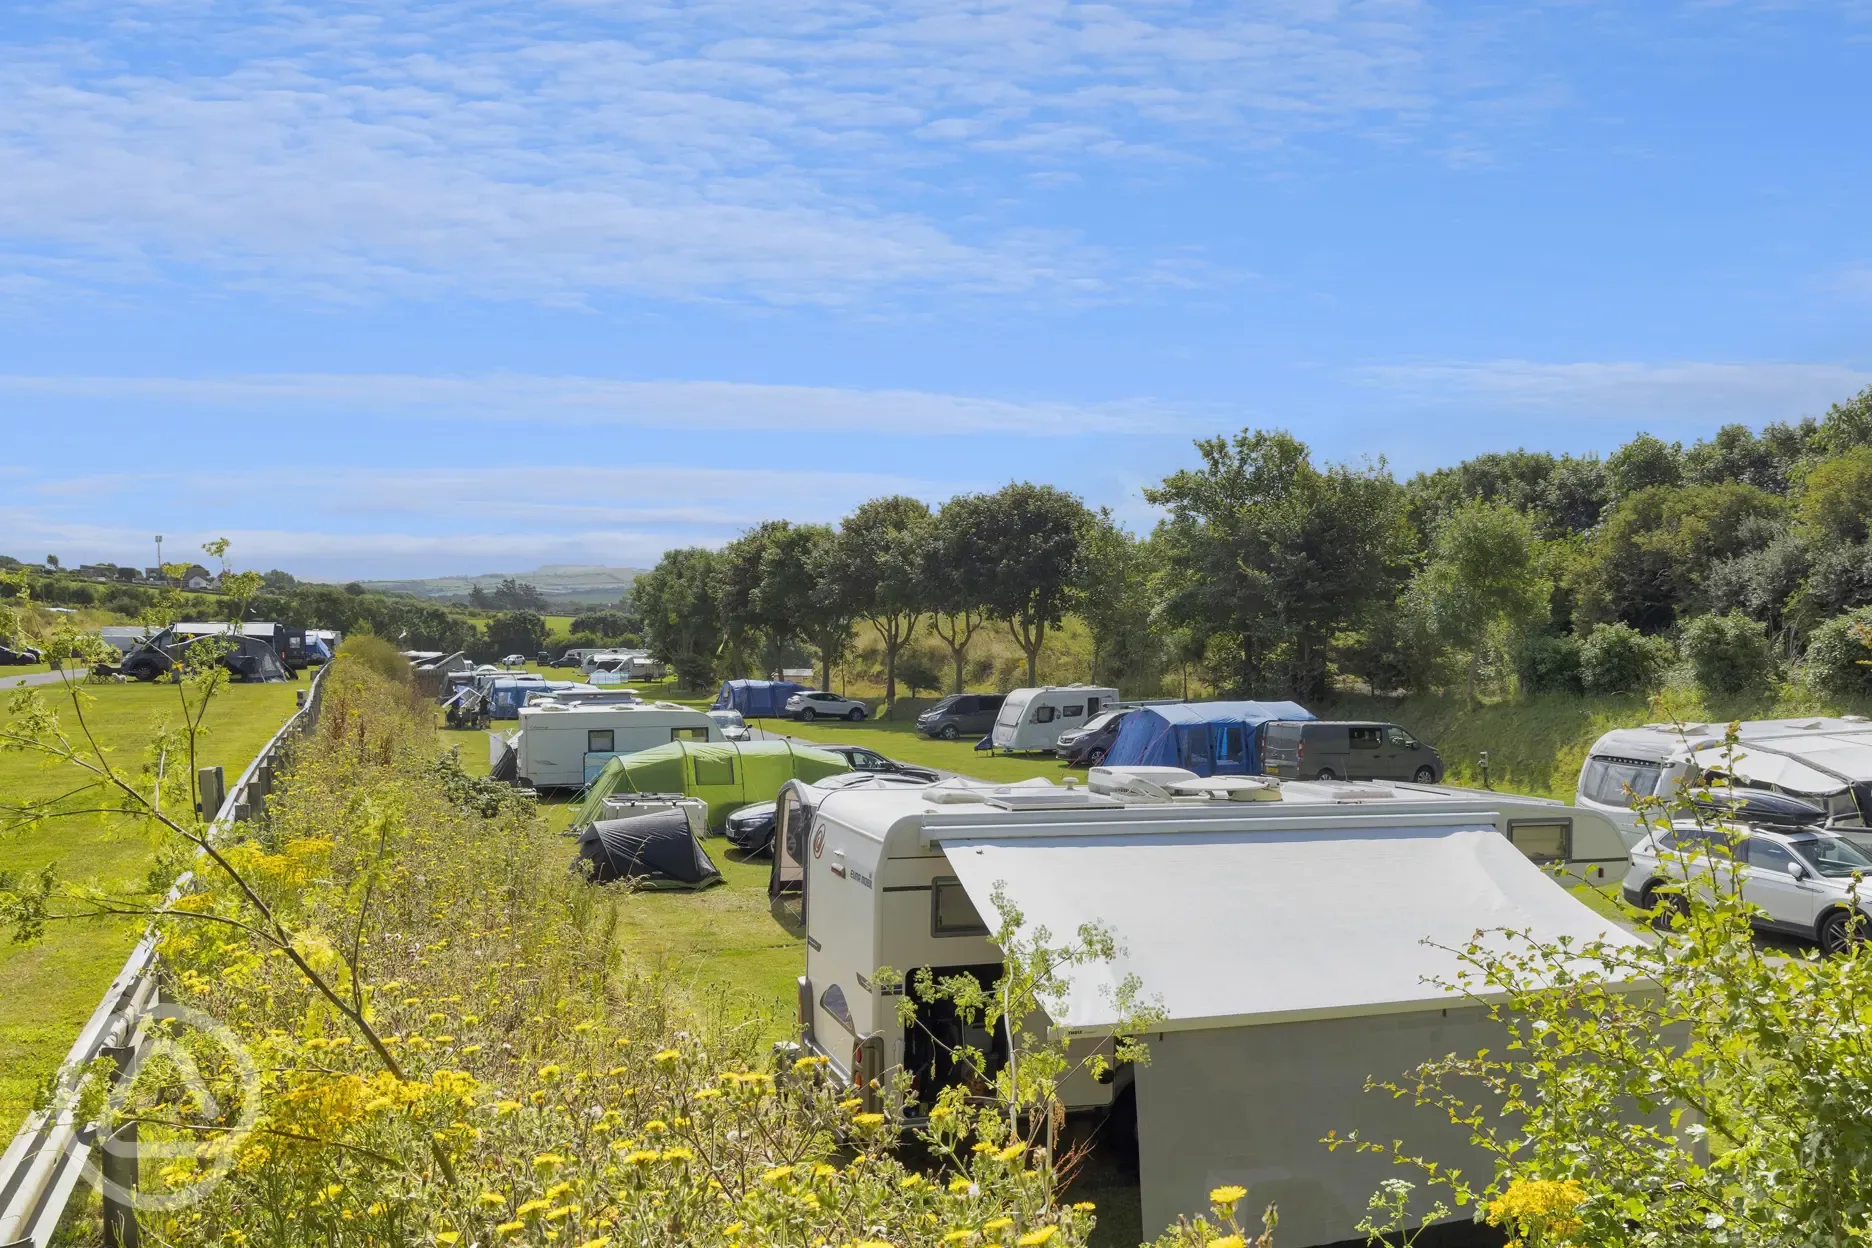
52,1151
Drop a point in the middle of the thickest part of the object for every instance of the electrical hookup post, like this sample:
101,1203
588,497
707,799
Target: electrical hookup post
1482,761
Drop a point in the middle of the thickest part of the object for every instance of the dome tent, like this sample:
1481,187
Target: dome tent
1208,738
655,851
725,774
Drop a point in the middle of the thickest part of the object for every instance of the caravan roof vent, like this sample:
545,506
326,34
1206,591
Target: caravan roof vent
1048,799
1228,788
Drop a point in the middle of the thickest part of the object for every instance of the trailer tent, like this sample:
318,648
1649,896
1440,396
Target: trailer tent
725,774
1208,738
756,699
656,850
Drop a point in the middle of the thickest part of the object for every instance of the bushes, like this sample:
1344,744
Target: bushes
1617,658
378,655
1837,652
1549,664
1728,653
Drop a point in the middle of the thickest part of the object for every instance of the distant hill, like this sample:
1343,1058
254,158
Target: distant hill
573,584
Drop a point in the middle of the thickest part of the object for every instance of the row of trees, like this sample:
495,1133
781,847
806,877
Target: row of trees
1271,573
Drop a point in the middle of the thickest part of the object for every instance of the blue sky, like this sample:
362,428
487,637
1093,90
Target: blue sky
389,289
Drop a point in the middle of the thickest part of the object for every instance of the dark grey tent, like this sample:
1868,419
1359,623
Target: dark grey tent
657,850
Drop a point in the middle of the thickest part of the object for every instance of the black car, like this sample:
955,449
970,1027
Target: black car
1088,746
19,656
751,829
862,759
961,715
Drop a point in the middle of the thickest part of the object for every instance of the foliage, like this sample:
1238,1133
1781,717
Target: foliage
800,584
880,559
681,613
1561,494
377,654
1727,653
1481,579
1028,542
1112,595
1617,658
1650,556
1644,463
959,576
1545,663
1839,654
612,626
1227,1231
514,632
1688,1090
510,595
919,669
1836,500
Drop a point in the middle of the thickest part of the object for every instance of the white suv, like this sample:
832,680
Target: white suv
813,705
1800,880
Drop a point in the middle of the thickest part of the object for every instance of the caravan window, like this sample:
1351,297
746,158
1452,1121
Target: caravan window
951,911
1045,715
1072,712
688,734
1542,840
601,741
1606,778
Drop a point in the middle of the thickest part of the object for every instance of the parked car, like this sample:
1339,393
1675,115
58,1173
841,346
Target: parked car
1325,749
1802,878
862,759
513,660
19,656
961,715
751,829
1087,746
816,704
733,727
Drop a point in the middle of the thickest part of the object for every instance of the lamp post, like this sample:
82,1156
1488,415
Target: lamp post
159,555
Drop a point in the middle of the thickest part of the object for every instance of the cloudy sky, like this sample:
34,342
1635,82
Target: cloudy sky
446,286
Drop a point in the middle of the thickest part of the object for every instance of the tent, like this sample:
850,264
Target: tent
657,850
1208,738
725,774
756,699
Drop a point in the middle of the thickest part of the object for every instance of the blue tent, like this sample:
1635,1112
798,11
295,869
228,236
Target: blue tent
756,699
1208,738
507,694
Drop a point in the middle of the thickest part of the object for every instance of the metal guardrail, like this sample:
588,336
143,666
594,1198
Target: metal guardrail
42,1166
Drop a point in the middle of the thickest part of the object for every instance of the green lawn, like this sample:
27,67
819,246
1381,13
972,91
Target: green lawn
48,989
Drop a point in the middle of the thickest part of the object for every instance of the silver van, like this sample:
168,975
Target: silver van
1327,749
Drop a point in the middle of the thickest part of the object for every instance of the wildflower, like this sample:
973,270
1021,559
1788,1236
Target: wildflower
777,1173
437,1018
868,1120
960,1185
470,1048
1227,1241
447,1237
709,1094
1539,1203
941,1111
805,1064
668,1057
616,1071
548,1161
532,1207
911,1181
493,1200
1084,1206
557,1190
656,1126
1228,1195
550,1073
642,1156
1011,1152
679,1153
1037,1236
509,1228
603,1241
560,1214
850,1103
956,1237
983,1146
995,1226
506,1107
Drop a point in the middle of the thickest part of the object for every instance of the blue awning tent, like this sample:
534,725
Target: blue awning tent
1208,738
756,699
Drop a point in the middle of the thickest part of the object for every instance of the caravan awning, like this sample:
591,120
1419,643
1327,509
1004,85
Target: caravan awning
1239,928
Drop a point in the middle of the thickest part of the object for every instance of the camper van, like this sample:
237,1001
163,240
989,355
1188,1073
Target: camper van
1031,720
1826,760
1342,898
565,747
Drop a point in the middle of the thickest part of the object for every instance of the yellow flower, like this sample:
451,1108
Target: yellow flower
493,1200
560,1214
709,1094
642,1156
447,1237
603,1241
777,1173
532,1207
557,1190
656,1126
668,1057
506,1107
1228,1195
1037,1236
850,1103
550,1073
956,1237
509,1228
548,1161
678,1153
994,1225
1011,1152
983,1146
868,1120
1227,1241
1085,1206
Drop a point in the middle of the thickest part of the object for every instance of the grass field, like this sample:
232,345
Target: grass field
48,989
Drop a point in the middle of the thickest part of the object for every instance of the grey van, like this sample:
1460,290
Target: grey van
1328,749
961,715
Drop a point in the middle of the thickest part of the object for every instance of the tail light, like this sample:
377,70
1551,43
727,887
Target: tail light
1300,752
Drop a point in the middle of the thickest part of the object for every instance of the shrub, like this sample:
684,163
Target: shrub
1546,663
1838,651
1728,653
378,655
1617,658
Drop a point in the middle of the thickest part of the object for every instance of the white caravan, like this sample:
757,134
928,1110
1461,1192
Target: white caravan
565,747
1285,932
1822,759
1033,719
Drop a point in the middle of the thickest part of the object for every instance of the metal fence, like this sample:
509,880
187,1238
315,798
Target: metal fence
41,1168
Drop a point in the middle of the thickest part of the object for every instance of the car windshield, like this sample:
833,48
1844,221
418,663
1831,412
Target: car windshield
1832,856
943,705
1099,721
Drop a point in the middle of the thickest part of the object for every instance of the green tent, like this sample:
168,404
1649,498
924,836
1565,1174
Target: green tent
726,774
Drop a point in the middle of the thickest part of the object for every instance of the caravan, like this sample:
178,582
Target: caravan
1289,934
1031,720
565,747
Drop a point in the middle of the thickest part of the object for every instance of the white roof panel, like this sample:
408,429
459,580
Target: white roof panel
1762,767
1258,927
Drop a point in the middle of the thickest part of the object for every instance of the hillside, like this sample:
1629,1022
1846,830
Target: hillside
562,582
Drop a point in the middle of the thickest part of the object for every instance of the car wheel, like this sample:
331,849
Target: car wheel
949,732
1663,907
855,714
1095,757
1839,932
1326,773
809,714
1425,775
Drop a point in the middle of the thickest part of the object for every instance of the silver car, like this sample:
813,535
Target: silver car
816,704
1801,881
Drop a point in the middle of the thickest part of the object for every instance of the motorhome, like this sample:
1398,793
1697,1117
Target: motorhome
1826,760
565,747
1290,936
1031,720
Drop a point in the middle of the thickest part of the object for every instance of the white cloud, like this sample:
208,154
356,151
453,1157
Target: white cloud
759,148
1701,393
598,401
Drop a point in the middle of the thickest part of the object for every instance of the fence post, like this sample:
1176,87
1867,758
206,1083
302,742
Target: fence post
117,1162
211,783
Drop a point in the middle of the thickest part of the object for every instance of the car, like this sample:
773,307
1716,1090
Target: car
865,760
961,715
1321,749
1088,746
19,656
751,829
815,704
513,660
1802,879
733,727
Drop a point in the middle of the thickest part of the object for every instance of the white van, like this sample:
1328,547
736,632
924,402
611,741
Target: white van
1031,720
1826,760
1294,923
565,747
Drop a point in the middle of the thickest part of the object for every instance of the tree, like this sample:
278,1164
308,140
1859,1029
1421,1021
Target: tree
517,595
1112,597
1481,580
1728,653
279,582
1644,463
880,571
1846,425
52,561
477,597
1028,544
763,623
681,616
801,583
516,632
1649,560
611,624
959,575
1835,504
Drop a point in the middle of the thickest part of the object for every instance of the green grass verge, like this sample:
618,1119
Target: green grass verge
48,989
